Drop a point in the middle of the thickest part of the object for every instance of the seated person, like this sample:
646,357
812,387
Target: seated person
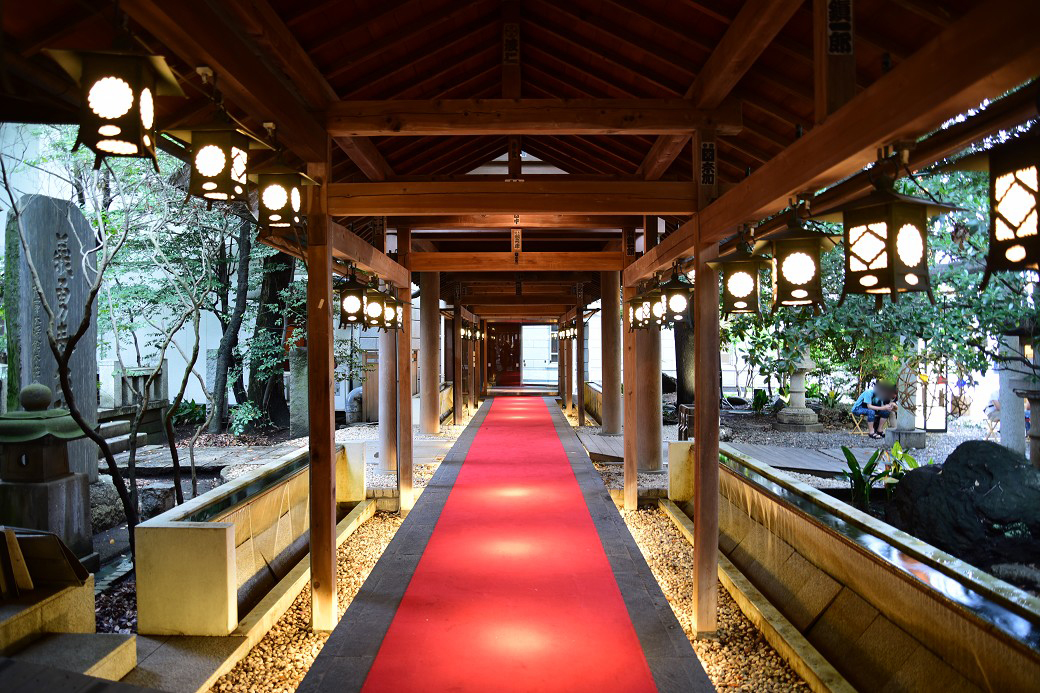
992,410
876,404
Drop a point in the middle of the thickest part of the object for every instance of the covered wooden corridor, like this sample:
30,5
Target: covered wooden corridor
519,160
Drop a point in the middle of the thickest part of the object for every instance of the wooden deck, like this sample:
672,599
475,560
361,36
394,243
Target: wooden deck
823,461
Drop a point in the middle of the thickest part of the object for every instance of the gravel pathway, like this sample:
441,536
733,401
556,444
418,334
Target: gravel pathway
739,658
281,659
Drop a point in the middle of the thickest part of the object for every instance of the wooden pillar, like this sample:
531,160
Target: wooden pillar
429,352
559,362
568,377
579,347
404,405
474,355
388,401
648,387
610,330
834,59
484,359
321,409
706,436
456,371
628,373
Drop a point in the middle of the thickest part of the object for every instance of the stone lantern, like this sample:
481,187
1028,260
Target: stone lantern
37,489
796,416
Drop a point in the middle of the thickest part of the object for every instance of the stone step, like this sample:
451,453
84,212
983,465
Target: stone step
122,443
104,655
114,429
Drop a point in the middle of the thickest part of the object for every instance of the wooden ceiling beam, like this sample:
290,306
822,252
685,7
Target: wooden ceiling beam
755,26
563,197
492,299
982,55
525,117
260,21
507,221
507,262
566,277
484,309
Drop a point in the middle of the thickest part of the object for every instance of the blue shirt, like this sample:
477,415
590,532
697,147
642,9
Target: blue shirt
868,397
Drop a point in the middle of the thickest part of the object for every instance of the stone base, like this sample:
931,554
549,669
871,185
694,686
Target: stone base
908,439
61,506
798,428
799,416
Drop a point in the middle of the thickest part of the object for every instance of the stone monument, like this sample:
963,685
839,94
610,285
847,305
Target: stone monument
37,489
299,411
796,416
58,236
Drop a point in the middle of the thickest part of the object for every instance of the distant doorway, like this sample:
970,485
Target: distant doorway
503,352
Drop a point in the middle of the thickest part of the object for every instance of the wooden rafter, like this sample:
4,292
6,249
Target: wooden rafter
980,56
755,26
508,262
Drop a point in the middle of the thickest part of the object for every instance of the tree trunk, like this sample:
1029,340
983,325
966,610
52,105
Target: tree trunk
684,363
269,393
229,340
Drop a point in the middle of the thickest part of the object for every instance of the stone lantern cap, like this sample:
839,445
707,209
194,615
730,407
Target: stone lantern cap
37,421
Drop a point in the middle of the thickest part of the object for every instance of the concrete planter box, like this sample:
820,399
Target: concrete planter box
202,564
594,401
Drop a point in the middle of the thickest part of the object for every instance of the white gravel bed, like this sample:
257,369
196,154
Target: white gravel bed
282,658
739,658
613,476
421,475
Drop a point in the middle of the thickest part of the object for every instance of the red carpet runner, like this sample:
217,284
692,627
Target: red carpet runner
514,591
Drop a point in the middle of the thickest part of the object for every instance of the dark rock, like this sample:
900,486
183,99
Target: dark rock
106,510
981,505
156,499
668,383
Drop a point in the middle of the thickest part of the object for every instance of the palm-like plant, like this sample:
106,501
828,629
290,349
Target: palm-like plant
862,478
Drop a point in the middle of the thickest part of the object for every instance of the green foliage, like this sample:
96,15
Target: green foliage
759,402
862,478
246,417
189,412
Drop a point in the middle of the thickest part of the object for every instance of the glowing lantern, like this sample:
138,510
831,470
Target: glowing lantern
1014,195
281,198
796,263
352,300
374,307
118,96
676,294
740,270
219,158
886,242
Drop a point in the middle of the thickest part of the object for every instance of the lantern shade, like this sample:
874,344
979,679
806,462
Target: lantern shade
676,293
1014,194
374,306
117,117
219,159
352,301
796,264
886,242
281,200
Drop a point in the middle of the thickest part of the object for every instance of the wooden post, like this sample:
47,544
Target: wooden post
648,387
568,377
456,377
559,363
834,58
579,346
388,401
484,359
404,405
474,353
610,311
706,427
630,403
429,352
321,410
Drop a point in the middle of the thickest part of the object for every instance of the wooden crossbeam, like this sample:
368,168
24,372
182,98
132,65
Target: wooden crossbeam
347,247
476,222
610,197
507,262
485,310
982,55
554,299
524,117
753,29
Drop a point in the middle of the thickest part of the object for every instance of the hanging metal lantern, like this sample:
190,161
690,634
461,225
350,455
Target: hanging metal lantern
393,313
375,303
886,242
676,293
219,159
352,300
1014,197
281,197
796,254
117,117
741,279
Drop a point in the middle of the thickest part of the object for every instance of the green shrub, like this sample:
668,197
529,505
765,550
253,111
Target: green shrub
189,413
246,417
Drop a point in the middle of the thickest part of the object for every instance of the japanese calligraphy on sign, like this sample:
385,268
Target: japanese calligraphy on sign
517,240
708,163
839,27
510,44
